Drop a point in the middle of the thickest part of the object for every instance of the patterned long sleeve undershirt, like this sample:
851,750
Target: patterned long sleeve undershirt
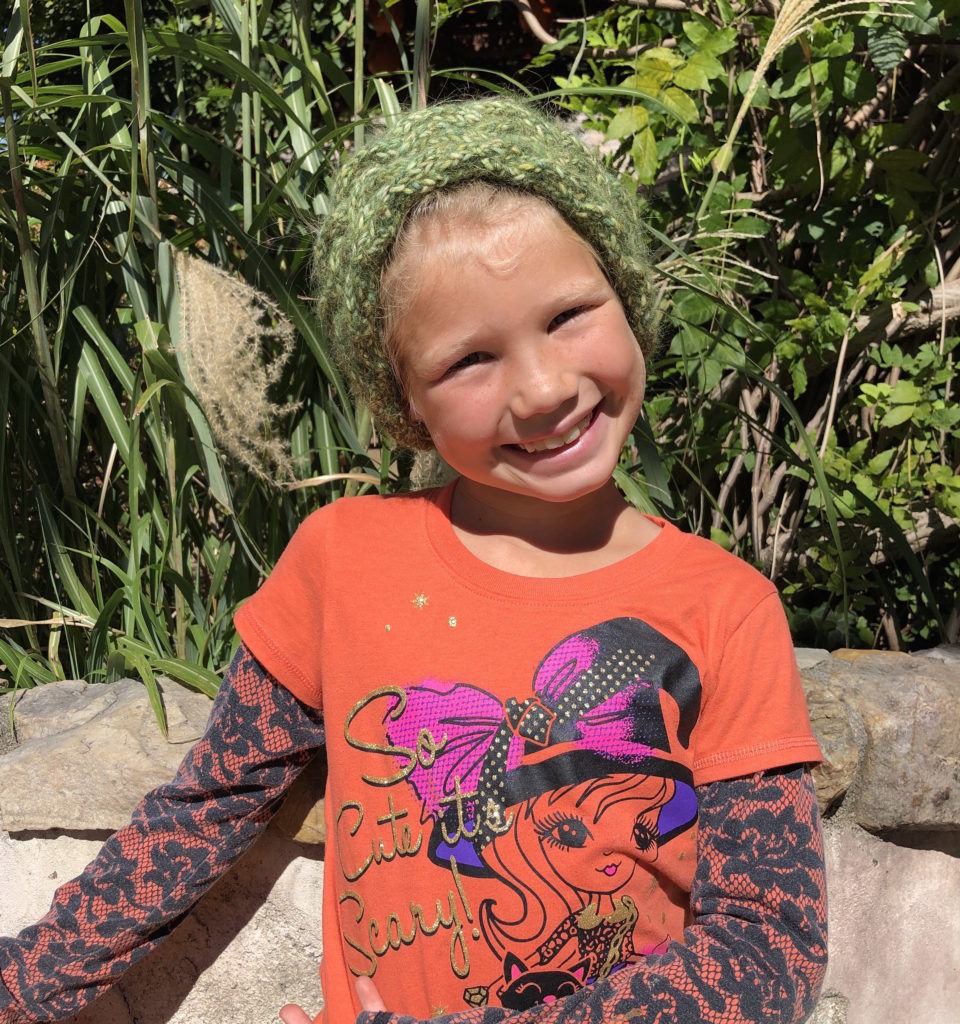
755,953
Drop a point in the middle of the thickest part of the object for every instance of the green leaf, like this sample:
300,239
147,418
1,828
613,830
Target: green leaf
798,377
704,35
692,78
886,45
105,400
148,393
194,676
945,419
761,98
692,307
644,83
12,41
721,537
924,20
754,227
899,414
698,72
901,159
628,122
679,103
879,463
140,663
645,159
905,391
634,489
659,58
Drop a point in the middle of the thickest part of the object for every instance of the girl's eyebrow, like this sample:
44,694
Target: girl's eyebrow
577,291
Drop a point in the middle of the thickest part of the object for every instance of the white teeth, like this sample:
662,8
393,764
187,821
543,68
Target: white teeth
548,444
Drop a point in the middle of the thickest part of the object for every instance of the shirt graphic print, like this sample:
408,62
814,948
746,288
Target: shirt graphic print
546,816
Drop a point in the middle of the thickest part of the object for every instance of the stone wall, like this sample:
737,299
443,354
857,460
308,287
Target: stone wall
889,726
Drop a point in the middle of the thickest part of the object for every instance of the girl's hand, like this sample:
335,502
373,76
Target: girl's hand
366,992
293,1014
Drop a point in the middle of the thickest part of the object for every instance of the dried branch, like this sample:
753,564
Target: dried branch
533,24
545,37
936,305
924,108
932,531
664,5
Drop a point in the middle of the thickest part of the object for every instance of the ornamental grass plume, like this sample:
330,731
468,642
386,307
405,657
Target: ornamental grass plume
795,18
234,344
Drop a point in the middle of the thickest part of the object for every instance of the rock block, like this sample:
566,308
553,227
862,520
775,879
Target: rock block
909,774
301,816
894,931
97,748
251,944
807,657
831,1009
837,728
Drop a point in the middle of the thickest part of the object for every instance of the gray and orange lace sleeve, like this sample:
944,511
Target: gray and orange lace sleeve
757,950
181,838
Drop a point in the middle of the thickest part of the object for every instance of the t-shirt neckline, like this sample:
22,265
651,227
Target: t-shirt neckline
480,576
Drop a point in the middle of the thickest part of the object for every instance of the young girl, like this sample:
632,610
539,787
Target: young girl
566,742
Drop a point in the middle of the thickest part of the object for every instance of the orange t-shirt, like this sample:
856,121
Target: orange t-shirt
510,806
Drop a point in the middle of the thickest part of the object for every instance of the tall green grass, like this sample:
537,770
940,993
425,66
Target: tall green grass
128,540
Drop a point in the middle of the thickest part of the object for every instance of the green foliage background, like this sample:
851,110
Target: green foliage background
801,410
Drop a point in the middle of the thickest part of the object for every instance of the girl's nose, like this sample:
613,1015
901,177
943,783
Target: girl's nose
542,385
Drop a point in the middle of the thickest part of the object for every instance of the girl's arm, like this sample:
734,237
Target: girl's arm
181,838
757,949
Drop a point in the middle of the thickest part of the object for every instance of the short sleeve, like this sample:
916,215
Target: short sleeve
755,716
282,624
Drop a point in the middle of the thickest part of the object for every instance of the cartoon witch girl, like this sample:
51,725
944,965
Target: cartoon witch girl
564,796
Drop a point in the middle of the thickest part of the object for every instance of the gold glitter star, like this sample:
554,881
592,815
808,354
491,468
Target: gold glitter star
438,1011
420,601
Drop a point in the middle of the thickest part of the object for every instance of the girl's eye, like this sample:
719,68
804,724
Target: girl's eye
561,318
566,832
643,835
468,360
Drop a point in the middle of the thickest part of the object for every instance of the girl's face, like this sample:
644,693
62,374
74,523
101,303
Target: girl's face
594,845
516,354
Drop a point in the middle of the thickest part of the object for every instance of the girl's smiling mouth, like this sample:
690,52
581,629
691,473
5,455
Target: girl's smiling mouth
610,869
558,440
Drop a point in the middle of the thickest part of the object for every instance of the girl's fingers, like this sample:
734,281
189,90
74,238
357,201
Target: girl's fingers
367,994
293,1014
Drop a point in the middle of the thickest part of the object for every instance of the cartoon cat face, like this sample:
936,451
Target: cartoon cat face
525,987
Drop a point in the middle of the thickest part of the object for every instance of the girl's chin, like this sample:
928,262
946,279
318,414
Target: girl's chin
545,499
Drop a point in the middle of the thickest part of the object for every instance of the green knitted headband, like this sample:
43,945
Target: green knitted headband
502,141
